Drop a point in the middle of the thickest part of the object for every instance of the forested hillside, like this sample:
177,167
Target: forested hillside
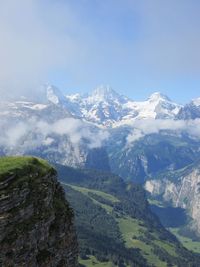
115,224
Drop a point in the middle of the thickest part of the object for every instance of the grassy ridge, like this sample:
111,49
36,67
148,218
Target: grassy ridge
20,166
96,192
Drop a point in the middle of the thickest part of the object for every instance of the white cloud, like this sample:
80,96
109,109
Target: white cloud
140,128
34,41
32,134
90,42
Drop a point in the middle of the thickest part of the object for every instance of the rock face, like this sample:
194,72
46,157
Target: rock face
36,222
147,157
182,191
190,111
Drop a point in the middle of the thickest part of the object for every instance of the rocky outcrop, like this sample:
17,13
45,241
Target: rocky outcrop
36,222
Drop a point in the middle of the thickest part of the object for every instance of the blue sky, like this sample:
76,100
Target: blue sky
136,46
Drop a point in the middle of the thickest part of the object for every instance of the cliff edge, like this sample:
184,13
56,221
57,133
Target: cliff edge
36,222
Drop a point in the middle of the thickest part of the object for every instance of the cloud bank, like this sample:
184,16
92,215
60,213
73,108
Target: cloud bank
35,40
33,134
129,44
150,126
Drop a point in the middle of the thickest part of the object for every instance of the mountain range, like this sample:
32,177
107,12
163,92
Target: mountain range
149,142
103,129
106,107
68,129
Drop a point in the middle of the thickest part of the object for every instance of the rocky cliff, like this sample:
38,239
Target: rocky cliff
36,222
182,189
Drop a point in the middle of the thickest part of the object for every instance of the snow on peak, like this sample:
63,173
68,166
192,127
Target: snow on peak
196,102
157,96
104,93
73,97
106,107
54,95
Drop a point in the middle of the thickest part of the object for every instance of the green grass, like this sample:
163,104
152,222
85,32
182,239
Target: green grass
21,166
148,253
167,247
130,227
134,233
186,242
108,208
85,190
132,230
92,261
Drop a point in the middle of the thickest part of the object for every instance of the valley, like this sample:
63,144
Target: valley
103,134
155,247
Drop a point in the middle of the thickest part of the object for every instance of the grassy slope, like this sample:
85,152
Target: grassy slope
132,232
186,241
22,165
97,192
92,261
156,244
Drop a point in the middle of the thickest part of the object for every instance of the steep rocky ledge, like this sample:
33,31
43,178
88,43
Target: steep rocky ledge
36,223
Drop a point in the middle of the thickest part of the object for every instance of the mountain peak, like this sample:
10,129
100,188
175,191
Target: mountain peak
54,95
103,93
158,96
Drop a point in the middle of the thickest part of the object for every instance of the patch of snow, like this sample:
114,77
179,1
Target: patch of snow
38,107
196,102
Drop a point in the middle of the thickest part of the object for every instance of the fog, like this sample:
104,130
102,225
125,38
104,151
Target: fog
140,128
129,44
33,133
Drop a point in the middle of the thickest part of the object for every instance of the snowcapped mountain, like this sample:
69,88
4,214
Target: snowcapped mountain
66,129
54,95
157,106
106,107
22,110
103,106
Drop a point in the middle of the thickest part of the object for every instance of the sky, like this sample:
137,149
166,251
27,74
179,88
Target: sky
135,46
